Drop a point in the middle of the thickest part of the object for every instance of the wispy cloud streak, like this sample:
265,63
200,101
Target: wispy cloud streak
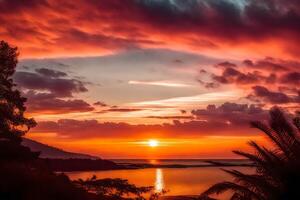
160,83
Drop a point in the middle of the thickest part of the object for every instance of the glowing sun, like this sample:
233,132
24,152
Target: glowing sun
153,143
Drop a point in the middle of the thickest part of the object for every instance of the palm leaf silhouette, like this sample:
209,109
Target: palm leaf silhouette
277,170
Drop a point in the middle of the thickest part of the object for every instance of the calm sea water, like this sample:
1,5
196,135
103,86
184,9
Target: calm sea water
190,162
178,181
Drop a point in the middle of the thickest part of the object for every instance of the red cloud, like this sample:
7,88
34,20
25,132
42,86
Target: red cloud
61,87
269,81
50,73
50,104
227,119
233,113
274,97
47,90
51,28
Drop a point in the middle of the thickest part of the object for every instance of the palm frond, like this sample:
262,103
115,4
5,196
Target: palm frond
237,196
257,161
258,183
277,168
276,139
225,186
285,128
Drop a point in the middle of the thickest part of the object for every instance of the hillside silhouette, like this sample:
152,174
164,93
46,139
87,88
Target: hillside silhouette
51,152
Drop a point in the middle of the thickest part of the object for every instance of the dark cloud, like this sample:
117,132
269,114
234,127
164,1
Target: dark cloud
232,113
231,75
254,19
100,103
272,64
262,93
131,24
183,111
50,73
123,109
51,91
226,119
102,41
61,87
273,74
226,64
116,109
291,78
269,71
95,129
50,104
171,117
267,64
7,6
209,85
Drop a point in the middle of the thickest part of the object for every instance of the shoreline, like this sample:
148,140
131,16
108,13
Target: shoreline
149,166
72,165
208,163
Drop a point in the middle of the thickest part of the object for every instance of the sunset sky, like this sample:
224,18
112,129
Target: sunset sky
106,76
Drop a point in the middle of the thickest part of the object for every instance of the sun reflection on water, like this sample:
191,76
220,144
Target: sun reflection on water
159,181
153,162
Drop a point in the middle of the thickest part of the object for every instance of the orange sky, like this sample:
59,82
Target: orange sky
103,77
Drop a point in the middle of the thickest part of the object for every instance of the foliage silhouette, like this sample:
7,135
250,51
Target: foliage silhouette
115,189
277,174
13,123
23,175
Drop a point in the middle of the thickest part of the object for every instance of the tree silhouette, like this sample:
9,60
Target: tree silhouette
113,188
277,174
13,123
23,176
116,189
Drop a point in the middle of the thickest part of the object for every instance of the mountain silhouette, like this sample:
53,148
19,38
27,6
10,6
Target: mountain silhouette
53,152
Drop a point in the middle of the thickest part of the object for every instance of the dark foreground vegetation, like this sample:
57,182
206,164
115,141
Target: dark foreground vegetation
277,174
23,176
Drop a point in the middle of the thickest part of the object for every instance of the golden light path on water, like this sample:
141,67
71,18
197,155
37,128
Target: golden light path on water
159,181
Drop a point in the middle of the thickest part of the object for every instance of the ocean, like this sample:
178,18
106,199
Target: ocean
177,181
184,162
